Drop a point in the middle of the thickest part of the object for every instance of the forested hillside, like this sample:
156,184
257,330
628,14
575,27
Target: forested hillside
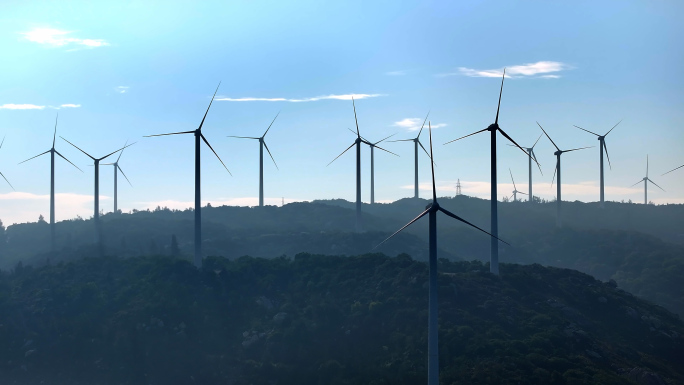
325,320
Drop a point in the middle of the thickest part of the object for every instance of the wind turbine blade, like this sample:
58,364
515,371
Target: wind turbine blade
511,172
212,150
352,145
173,133
91,157
269,153
432,164
655,184
3,176
400,140
112,153
54,136
269,126
676,168
380,148
241,137
520,192
445,211
122,173
121,153
554,173
379,141
547,135
612,128
57,152
352,131
421,146
535,143
355,119
499,105
607,156
205,114
363,140
646,165
516,144
3,141
586,130
405,226
477,132
421,127
636,183
534,156
581,148
34,157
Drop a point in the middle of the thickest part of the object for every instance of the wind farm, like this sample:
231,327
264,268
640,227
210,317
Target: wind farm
302,273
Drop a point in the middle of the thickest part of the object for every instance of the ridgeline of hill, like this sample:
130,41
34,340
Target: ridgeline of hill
639,246
325,320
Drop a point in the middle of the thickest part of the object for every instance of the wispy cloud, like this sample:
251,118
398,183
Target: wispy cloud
58,38
541,69
122,89
395,73
20,207
314,99
414,124
35,107
20,107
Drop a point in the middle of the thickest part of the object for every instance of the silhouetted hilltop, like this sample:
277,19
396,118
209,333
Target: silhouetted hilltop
647,265
326,320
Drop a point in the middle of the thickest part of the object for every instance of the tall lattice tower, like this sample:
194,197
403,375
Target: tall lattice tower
458,187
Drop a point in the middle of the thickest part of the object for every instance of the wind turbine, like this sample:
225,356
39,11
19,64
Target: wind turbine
356,143
515,189
198,203
372,172
493,128
646,179
117,168
262,144
3,176
52,152
530,151
432,209
416,143
602,145
558,154
96,164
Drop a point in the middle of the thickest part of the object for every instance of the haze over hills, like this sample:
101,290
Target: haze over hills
640,246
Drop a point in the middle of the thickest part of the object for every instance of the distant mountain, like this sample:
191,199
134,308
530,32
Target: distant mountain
325,320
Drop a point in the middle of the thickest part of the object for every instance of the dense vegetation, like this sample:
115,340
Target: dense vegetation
639,246
325,320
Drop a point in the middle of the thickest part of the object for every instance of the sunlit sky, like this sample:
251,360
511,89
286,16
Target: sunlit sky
115,71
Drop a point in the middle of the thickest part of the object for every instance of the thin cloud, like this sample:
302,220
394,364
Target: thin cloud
21,107
395,73
70,105
314,99
58,38
541,69
122,89
414,124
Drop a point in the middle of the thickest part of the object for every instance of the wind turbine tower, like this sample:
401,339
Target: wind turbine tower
493,129
52,152
416,143
432,209
602,145
262,144
117,168
96,164
357,143
558,153
646,179
199,137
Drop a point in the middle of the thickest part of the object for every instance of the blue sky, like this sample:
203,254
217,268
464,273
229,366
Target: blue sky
116,71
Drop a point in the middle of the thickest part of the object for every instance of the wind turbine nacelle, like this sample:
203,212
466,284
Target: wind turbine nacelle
557,153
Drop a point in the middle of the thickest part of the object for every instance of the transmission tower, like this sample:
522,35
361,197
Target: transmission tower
458,187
